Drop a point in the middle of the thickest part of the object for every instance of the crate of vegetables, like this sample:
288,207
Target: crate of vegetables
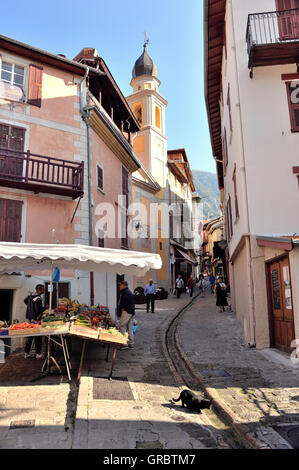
23,329
112,335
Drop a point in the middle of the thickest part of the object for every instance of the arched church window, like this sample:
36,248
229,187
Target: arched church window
138,113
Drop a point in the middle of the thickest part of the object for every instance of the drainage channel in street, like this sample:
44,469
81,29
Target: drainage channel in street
225,435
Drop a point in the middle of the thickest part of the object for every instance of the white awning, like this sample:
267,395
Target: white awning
30,256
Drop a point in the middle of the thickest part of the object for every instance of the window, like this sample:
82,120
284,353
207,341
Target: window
11,138
101,238
125,192
100,177
229,225
236,194
293,99
13,82
158,117
13,74
10,220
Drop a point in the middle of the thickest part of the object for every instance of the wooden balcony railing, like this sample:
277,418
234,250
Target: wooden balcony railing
273,38
38,173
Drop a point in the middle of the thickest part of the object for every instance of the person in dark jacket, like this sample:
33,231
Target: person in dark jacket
127,310
220,292
34,312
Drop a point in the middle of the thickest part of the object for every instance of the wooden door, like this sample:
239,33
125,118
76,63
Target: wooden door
283,331
288,20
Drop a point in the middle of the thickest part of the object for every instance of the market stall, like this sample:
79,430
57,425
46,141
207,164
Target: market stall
90,323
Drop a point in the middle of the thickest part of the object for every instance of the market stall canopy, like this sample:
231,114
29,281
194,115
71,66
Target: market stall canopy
30,256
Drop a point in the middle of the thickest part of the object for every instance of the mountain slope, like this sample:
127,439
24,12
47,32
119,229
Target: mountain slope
207,187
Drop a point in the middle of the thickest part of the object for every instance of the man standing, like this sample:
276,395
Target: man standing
34,312
150,294
127,309
179,283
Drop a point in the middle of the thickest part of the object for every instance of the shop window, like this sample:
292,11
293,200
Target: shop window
293,100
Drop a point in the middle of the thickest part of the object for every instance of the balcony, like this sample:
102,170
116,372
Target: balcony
273,38
37,173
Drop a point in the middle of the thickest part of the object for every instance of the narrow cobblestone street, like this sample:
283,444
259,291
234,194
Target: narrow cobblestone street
257,390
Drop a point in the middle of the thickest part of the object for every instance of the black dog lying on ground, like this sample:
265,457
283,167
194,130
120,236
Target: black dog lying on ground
192,402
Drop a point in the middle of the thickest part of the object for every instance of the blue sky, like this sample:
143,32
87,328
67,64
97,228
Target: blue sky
114,28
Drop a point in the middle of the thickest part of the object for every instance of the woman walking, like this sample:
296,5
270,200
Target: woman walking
220,292
202,285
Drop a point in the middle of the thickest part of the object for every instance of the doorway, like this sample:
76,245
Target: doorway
281,314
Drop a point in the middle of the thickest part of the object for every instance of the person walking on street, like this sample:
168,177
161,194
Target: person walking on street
220,292
179,284
150,294
127,309
212,282
34,312
190,285
202,285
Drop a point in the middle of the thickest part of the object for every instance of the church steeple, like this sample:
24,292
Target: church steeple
149,108
144,65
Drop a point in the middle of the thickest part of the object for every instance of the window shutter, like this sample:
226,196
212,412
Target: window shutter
229,109
35,85
10,220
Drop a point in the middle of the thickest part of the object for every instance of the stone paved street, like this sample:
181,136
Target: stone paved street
149,421
258,388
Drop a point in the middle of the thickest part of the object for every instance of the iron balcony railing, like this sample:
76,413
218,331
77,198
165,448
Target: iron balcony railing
272,28
39,173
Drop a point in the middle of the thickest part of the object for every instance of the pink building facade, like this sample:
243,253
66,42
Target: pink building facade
64,149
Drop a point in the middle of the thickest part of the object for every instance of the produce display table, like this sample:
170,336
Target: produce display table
61,332
109,341
99,336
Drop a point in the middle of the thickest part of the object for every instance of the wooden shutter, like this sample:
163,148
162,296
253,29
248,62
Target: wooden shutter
10,220
229,109
35,85
229,224
288,21
293,101
236,193
224,151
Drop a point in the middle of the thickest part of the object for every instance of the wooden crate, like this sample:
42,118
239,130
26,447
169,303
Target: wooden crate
84,331
113,338
26,331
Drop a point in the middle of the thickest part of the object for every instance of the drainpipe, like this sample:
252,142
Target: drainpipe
85,116
252,342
